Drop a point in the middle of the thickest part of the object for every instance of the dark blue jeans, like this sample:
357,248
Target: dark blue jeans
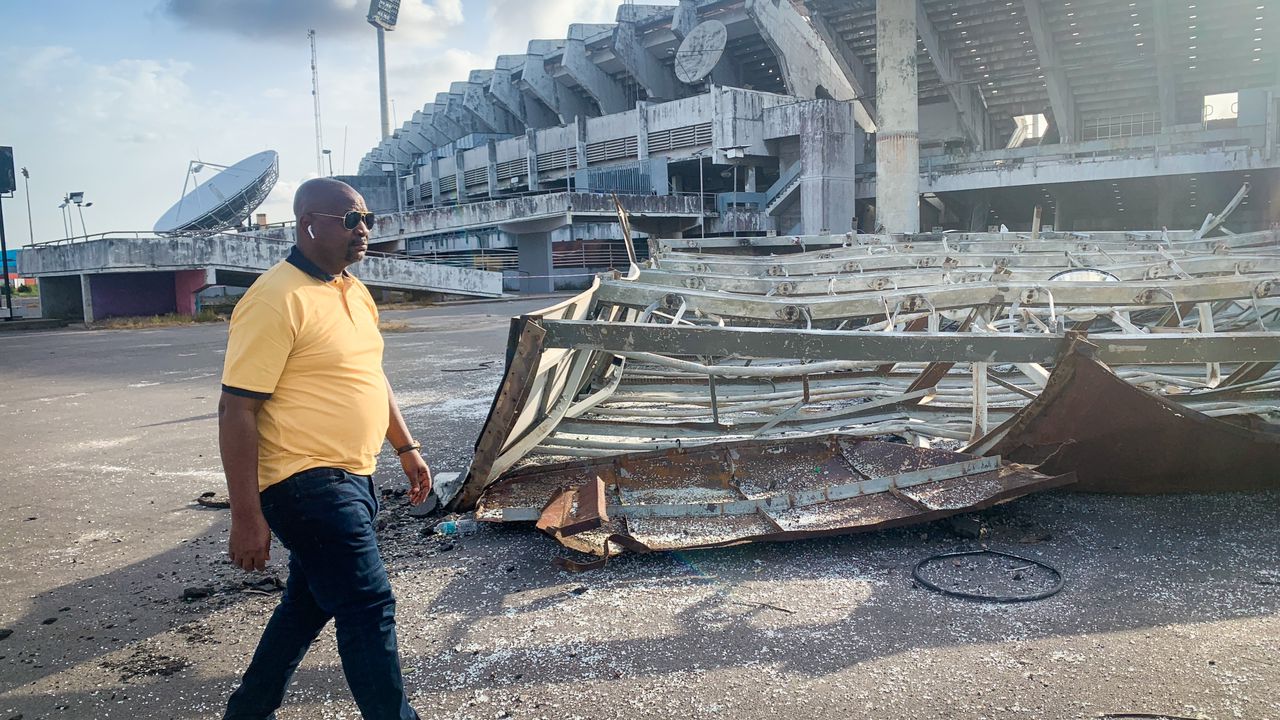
324,516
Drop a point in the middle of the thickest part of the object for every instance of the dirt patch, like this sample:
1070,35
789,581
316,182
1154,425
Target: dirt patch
146,662
395,326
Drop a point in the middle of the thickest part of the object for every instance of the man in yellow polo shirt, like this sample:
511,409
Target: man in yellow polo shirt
304,410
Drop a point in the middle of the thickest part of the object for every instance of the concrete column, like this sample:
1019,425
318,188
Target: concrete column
898,130
752,179
658,80
531,157
979,211
685,18
460,176
534,262
581,181
86,297
435,181
491,170
186,285
642,131
1165,205
829,150
607,92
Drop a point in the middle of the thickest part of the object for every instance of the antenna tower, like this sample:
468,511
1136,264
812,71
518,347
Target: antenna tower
315,95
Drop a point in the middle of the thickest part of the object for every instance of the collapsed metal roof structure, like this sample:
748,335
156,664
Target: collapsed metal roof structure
741,389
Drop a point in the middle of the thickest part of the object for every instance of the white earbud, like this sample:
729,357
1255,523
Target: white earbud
311,232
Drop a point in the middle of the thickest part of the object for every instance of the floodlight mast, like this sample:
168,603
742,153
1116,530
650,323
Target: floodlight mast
315,94
382,16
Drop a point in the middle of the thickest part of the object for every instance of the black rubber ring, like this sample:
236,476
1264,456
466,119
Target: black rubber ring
915,574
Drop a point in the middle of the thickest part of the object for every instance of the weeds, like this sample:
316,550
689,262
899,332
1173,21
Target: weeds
156,321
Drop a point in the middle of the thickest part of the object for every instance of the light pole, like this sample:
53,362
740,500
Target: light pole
702,202
383,15
63,207
393,167
81,208
26,184
77,198
4,248
329,154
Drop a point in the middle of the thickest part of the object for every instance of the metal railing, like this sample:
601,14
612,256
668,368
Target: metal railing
147,235
498,260
785,180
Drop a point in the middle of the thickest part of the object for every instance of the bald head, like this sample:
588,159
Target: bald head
324,195
321,206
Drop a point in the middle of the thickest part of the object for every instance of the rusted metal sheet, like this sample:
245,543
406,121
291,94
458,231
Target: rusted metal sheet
737,492
1118,438
512,417
575,510
522,364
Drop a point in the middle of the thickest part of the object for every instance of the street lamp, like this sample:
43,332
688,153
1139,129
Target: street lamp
26,183
77,199
329,154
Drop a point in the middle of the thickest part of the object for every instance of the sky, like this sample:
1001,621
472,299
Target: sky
113,99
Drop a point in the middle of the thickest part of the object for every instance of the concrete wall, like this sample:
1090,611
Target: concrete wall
60,298
940,123
379,191
680,113
609,127
132,294
740,119
516,148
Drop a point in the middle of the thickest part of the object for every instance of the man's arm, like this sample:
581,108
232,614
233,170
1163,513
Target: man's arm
250,545
415,468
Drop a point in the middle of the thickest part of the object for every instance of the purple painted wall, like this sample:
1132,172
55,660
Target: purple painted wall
124,294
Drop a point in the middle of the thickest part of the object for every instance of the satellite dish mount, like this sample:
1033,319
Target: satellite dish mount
222,201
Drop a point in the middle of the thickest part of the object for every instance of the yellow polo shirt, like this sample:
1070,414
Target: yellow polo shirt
308,344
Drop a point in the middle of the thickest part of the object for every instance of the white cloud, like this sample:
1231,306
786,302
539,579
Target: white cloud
416,81
122,132
289,19
422,23
513,23
120,123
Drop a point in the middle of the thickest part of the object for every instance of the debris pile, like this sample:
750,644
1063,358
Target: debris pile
742,389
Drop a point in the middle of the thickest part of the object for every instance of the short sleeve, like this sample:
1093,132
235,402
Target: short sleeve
258,345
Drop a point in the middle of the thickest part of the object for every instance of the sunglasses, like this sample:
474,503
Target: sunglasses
353,218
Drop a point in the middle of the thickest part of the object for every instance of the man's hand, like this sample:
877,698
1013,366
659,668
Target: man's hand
415,468
250,545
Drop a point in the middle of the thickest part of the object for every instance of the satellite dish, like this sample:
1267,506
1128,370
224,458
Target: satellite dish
701,51
224,200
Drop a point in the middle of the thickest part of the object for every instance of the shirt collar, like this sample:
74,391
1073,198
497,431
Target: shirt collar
300,261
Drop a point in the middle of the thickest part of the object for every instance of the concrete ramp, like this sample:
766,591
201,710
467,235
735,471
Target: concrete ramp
119,274
241,254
